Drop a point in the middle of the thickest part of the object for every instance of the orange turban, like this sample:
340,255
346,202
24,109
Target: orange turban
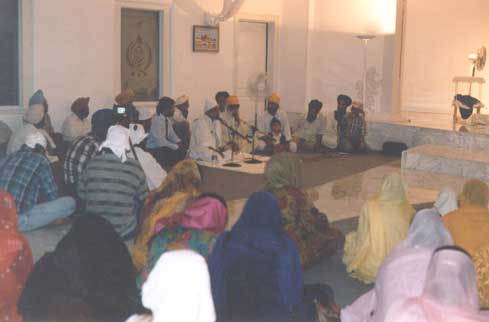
127,96
274,98
232,100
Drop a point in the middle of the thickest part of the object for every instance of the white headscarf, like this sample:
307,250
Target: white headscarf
178,289
447,201
137,133
117,141
209,105
35,138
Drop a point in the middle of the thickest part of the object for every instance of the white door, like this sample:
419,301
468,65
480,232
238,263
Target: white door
252,59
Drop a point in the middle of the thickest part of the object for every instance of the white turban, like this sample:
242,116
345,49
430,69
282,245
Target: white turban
35,138
117,141
137,133
34,114
447,201
209,105
178,289
181,100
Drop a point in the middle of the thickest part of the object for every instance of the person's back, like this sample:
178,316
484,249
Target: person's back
469,225
114,190
27,175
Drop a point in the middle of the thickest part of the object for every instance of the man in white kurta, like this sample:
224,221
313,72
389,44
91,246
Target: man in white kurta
206,135
264,123
312,130
152,169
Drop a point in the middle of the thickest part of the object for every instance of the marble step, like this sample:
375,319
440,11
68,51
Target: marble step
452,160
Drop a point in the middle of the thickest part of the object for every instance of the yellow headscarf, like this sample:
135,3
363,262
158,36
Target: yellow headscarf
180,186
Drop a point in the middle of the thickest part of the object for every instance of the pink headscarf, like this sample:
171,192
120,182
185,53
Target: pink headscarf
204,214
402,274
449,293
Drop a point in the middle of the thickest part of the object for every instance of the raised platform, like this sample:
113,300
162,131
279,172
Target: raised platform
450,160
415,129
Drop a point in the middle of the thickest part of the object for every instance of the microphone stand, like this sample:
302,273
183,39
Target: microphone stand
234,133
254,129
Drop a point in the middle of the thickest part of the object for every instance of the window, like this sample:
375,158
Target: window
140,53
9,52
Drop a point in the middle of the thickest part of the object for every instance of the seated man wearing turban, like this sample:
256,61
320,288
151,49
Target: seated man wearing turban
181,124
126,99
354,130
232,118
27,176
312,129
265,121
76,124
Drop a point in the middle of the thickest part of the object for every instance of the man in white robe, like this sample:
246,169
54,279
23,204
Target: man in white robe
206,135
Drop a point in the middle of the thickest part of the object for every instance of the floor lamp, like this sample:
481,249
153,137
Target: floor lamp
365,39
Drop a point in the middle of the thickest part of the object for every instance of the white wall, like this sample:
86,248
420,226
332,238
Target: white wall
439,36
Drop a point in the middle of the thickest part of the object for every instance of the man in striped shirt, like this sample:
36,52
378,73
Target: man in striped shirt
114,186
85,148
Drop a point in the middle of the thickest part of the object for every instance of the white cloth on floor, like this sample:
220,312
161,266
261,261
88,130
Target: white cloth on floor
205,133
73,127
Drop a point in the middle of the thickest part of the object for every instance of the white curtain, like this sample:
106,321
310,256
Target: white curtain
229,9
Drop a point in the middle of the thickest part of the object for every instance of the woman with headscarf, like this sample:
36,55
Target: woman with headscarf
152,169
88,277
15,259
255,268
383,224
469,225
401,275
196,228
304,224
178,289
449,292
76,124
173,196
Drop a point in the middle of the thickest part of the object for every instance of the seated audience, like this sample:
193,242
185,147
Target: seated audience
85,148
15,259
196,227
27,175
354,128
126,99
181,124
179,188
206,141
265,123
469,225
449,292
304,224
76,124
152,169
221,100
447,201
38,98
402,274
88,277
383,224
33,122
5,134
114,186
255,268
163,143
232,118
311,130
178,289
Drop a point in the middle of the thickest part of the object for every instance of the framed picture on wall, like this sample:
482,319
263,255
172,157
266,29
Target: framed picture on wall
206,39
